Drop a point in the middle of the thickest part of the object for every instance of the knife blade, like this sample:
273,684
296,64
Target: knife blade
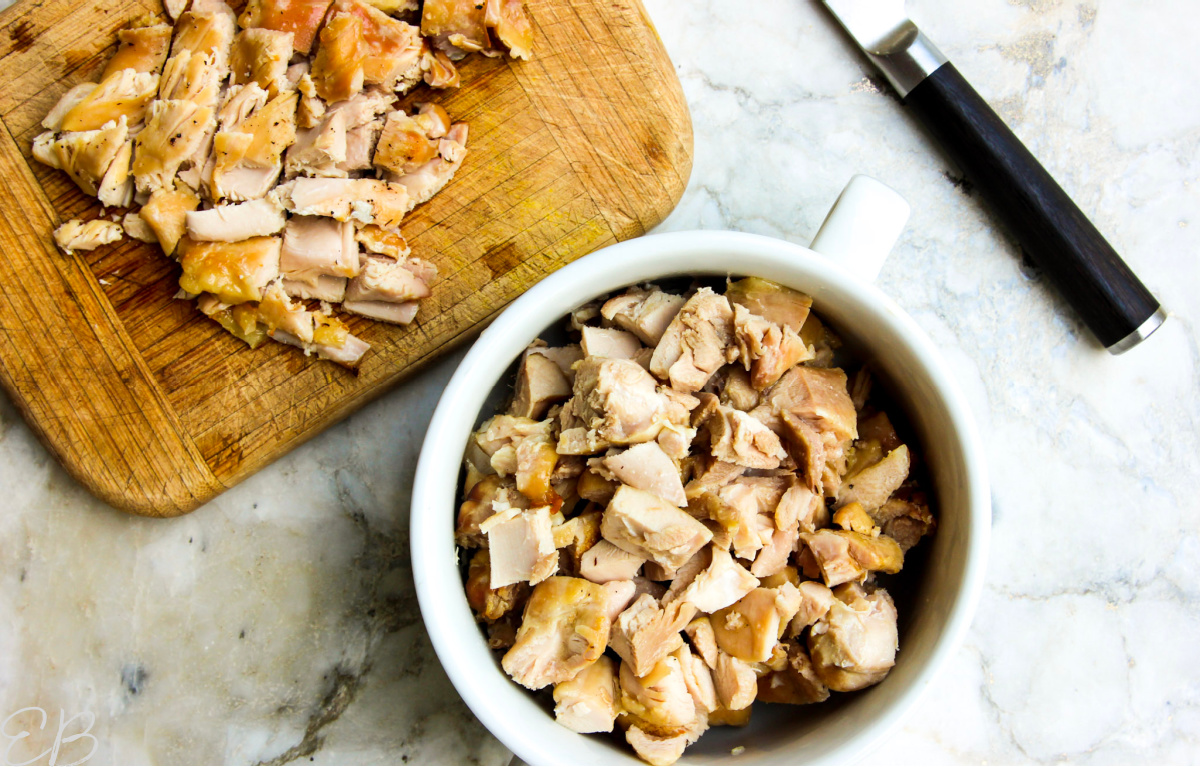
1052,230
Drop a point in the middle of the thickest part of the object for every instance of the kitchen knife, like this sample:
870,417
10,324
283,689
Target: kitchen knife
1053,232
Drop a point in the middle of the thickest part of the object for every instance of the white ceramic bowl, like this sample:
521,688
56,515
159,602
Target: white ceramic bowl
860,230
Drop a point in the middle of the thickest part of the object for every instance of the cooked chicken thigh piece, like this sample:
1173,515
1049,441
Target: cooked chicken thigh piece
261,56
873,485
364,200
314,246
430,178
136,227
193,77
67,102
302,18
645,313
767,350
750,628
522,546
782,306
337,69
696,343
248,150
565,630
166,214
235,272
741,439
845,556
643,524
232,223
332,340
278,311
854,645
588,702
329,289
797,684
403,146
206,29
605,563
140,48
646,632
540,384
319,151
646,467
653,749
721,583
816,395
487,603
815,601
85,156
658,700
735,681
437,70
76,235
174,129
124,93
606,342
392,48
456,26
510,24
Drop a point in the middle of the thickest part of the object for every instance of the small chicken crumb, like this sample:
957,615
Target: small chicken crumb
701,522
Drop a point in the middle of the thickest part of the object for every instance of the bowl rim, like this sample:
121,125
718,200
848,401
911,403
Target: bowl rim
651,257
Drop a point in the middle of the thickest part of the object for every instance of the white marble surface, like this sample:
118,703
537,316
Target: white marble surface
279,622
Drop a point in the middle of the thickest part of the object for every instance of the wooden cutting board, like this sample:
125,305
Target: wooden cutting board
156,409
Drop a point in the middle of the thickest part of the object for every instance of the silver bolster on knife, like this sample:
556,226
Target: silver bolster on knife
906,67
883,31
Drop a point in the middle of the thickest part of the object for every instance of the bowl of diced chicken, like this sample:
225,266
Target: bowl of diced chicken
698,496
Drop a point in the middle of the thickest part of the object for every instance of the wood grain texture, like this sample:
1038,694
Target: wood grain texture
155,408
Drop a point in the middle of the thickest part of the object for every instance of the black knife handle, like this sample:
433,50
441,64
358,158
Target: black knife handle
1055,234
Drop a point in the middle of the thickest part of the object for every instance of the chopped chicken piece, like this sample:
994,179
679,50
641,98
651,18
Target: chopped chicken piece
780,305
193,77
142,49
66,103
735,682
643,524
854,645
438,71
540,383
704,641
403,146
382,279
261,56
77,235
574,538
658,701
521,545
429,179
719,585
815,601
723,717
207,28
302,18
750,628
806,448
905,521
489,495
654,749
166,214
278,311
232,223
116,187
332,341
588,702
774,555
620,595
136,227
87,156
696,342
873,485
603,342
766,349
174,129
616,402
124,93
645,633
510,23
234,272
320,150
310,109
248,152
455,26
646,467
735,390
314,247
241,321
337,69
329,289
854,517
604,563
716,474
699,680
564,631
745,508
845,556
535,463
385,242
742,439
392,48
364,200
816,395
799,508
491,604
796,684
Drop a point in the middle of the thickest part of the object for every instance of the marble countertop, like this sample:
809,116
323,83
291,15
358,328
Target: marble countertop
279,623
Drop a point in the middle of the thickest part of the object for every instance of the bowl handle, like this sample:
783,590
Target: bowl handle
862,226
